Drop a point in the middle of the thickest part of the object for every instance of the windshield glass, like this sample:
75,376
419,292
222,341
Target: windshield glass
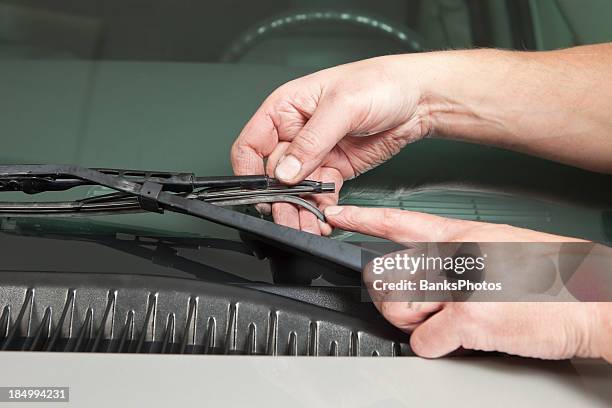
159,85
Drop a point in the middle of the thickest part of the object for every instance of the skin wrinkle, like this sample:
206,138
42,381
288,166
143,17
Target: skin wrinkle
365,113
369,158
602,323
354,173
305,104
335,159
274,128
393,145
284,130
587,343
310,143
464,116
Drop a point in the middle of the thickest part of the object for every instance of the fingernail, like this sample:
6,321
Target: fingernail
264,208
288,167
333,210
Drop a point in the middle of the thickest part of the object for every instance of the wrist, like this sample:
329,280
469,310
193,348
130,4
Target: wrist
473,95
453,89
466,94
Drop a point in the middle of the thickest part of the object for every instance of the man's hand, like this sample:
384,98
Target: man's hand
315,127
543,330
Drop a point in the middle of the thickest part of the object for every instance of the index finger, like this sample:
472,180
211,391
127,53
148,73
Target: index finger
256,141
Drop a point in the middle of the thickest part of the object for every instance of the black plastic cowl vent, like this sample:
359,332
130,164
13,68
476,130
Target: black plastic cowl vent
134,314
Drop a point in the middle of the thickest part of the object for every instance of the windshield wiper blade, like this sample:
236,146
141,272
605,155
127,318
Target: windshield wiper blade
43,181
178,192
223,191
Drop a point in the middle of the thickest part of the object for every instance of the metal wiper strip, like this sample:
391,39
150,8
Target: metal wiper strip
152,197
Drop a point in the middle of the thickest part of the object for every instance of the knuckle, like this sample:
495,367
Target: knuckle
308,143
237,151
289,91
244,159
391,221
446,231
278,98
348,217
353,218
395,313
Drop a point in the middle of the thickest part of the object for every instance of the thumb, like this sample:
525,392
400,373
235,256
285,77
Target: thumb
325,128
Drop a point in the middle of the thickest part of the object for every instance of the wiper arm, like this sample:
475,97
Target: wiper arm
178,192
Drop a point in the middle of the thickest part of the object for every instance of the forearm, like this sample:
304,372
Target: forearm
556,105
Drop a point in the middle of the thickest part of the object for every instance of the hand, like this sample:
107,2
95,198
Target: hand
544,330
315,127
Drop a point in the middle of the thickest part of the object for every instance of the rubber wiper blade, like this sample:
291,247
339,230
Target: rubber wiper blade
223,191
158,192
